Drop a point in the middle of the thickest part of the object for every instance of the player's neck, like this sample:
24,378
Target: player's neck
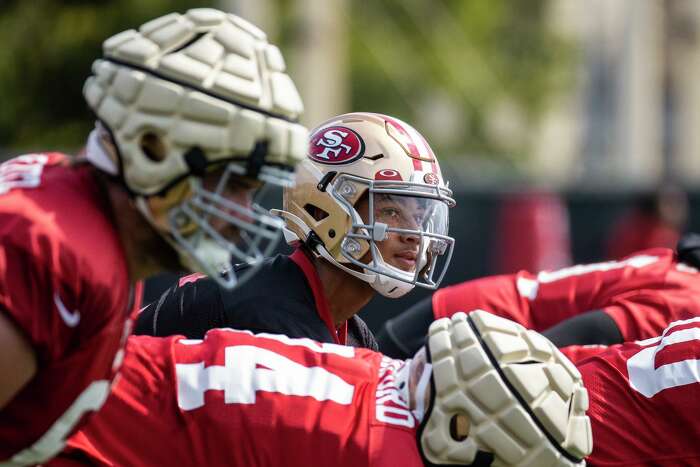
346,294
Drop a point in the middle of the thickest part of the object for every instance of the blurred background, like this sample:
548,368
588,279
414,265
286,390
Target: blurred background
568,128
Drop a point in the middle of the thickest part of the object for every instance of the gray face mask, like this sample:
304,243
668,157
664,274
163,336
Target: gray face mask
411,210
230,231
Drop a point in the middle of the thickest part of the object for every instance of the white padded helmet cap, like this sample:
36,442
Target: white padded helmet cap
204,79
524,399
214,95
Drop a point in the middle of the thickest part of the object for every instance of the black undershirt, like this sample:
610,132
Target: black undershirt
277,299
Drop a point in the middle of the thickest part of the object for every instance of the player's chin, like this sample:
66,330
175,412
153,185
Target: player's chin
405,264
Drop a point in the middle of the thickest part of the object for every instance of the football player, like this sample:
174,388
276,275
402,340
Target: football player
482,391
601,303
368,214
194,112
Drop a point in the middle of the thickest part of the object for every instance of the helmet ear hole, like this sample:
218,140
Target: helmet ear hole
314,211
459,427
152,146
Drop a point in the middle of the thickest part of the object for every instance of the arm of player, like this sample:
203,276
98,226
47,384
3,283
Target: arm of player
558,303
501,295
592,328
24,339
403,335
17,360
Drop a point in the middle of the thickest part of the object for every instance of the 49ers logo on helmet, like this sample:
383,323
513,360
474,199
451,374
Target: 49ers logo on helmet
336,145
431,179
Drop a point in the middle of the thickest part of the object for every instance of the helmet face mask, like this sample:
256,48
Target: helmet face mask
227,230
203,89
407,210
364,160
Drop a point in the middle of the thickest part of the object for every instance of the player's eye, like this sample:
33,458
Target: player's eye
389,213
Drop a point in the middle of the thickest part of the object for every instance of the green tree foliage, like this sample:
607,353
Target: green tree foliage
439,64
48,47
477,56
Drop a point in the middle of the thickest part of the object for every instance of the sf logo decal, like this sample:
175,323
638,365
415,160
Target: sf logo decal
336,145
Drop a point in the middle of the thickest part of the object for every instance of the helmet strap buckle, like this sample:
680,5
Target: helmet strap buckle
256,158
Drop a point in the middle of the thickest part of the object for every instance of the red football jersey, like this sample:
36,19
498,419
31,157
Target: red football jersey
643,293
64,282
244,400
645,400
236,398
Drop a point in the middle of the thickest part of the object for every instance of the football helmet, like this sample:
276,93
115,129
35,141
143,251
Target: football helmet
191,97
499,394
383,162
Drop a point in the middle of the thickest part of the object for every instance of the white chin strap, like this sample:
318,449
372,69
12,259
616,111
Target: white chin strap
386,286
370,278
97,155
390,287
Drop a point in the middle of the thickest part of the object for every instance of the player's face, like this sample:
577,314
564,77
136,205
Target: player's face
238,190
399,212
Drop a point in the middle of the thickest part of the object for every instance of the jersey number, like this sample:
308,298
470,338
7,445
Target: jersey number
647,379
249,369
22,172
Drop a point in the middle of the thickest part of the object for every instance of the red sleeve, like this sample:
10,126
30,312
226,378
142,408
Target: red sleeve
644,398
642,293
64,283
496,294
519,297
62,268
578,353
644,313
641,316
21,302
527,299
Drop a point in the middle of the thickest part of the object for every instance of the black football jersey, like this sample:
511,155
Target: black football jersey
279,298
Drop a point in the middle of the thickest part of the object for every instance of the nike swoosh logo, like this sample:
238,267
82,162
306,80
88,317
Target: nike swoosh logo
71,318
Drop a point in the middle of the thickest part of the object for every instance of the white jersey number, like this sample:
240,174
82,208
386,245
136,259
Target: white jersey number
22,172
649,380
249,369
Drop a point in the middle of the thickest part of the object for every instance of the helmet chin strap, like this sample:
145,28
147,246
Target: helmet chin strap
386,286
319,249
370,278
390,287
